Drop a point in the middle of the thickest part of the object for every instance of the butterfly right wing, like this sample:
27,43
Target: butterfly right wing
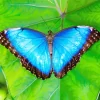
68,45
32,48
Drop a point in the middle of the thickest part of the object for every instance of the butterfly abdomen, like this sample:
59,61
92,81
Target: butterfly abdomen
50,39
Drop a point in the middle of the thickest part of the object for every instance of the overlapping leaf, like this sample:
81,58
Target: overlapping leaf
81,83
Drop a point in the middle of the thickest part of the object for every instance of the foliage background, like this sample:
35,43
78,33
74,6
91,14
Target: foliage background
81,83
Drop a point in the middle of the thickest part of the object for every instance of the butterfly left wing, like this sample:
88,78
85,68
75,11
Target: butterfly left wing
31,47
69,45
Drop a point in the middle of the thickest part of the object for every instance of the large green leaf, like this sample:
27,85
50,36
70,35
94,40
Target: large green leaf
81,83
3,87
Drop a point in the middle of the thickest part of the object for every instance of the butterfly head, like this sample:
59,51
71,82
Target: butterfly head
50,35
50,32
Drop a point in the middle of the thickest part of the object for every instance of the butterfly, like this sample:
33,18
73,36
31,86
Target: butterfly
43,54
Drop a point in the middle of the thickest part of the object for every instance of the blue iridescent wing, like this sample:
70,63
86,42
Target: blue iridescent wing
69,45
32,48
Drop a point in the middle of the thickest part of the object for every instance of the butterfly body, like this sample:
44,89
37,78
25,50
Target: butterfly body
50,39
43,55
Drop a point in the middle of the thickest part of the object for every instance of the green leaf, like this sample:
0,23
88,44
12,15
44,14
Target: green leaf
3,93
81,83
3,87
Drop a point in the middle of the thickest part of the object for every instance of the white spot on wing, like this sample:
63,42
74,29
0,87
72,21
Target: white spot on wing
91,28
5,31
12,29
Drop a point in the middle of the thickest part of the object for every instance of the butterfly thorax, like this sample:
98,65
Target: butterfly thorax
50,38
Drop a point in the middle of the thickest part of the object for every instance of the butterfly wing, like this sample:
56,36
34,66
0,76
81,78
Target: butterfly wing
69,45
32,48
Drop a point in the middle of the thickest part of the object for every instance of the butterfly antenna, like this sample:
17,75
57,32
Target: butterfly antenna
55,22
45,23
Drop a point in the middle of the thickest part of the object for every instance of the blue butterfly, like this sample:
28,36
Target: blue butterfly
43,55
